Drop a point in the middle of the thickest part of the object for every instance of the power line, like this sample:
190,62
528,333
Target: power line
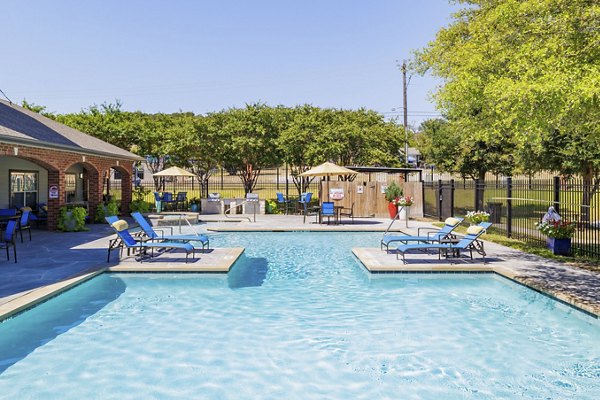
4,94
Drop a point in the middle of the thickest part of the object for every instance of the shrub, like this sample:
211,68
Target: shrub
108,210
72,219
139,206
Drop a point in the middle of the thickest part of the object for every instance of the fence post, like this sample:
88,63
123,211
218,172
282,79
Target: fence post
509,207
423,195
452,198
440,200
557,194
287,187
476,205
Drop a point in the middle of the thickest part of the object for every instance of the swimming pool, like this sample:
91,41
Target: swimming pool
299,318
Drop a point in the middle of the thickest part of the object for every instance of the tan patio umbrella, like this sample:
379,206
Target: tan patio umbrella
328,169
174,171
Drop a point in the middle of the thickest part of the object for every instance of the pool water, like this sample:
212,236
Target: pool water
299,318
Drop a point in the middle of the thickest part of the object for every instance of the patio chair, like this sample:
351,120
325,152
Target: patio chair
150,233
328,210
469,242
283,203
181,201
40,218
8,239
167,199
127,240
435,236
24,224
347,212
304,202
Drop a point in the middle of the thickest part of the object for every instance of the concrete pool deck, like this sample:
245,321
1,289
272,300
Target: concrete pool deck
53,261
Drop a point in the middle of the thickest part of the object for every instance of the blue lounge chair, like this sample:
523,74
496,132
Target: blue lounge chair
469,242
151,233
8,240
449,225
125,239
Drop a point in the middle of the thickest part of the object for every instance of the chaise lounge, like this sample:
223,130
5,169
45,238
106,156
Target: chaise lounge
151,233
446,231
470,242
125,239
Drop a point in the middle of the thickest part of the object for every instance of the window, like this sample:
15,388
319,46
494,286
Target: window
70,187
23,189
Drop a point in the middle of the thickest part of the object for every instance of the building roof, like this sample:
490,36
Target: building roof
22,126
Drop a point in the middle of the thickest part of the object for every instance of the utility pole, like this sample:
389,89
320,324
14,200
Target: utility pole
405,106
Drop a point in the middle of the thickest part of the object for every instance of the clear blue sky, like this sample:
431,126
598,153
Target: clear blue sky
201,56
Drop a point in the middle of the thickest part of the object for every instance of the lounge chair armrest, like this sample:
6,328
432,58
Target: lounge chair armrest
161,231
425,229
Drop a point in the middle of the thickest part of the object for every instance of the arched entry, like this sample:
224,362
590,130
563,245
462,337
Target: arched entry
117,186
79,182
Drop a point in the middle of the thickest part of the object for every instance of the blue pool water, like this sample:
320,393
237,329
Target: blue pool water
299,318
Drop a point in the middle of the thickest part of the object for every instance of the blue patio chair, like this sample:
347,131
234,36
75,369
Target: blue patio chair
469,242
283,203
24,224
304,201
127,240
435,236
150,233
181,201
8,239
328,210
167,199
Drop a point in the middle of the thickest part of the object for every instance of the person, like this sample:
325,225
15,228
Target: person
551,216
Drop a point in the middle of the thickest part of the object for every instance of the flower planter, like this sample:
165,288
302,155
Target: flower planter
559,247
194,207
392,209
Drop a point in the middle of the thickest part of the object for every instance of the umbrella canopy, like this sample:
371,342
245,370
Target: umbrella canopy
328,169
174,171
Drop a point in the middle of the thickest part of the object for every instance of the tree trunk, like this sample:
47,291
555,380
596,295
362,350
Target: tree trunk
480,190
590,187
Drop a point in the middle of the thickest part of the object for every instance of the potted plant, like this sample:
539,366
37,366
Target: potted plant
392,193
194,204
476,217
405,202
559,234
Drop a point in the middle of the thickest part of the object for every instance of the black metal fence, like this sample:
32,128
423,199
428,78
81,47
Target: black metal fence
517,204
270,181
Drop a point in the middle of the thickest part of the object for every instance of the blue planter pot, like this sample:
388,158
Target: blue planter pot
559,247
194,207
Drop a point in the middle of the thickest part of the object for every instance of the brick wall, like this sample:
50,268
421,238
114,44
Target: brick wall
56,162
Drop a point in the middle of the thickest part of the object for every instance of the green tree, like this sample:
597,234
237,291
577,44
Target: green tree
527,74
250,147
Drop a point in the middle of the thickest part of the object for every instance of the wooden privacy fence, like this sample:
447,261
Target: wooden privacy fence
369,198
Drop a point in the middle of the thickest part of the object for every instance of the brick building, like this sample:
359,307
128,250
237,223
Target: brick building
45,162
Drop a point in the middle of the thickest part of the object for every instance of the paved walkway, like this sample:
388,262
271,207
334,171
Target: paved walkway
54,257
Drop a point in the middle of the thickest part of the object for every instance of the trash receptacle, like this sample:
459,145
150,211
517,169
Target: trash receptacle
495,210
